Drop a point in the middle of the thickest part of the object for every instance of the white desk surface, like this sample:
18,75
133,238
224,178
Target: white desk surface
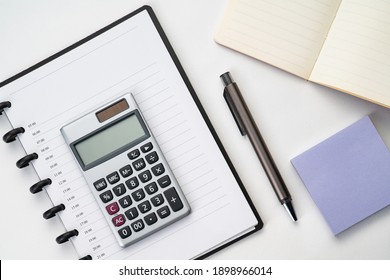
292,115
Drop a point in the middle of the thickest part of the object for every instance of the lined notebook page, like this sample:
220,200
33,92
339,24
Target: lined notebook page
356,55
128,57
286,34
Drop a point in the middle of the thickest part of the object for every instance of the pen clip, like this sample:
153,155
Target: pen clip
234,112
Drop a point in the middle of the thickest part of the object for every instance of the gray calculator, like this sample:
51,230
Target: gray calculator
126,170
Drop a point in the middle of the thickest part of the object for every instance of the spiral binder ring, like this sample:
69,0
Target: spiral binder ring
3,105
87,257
10,136
37,187
25,161
65,236
53,211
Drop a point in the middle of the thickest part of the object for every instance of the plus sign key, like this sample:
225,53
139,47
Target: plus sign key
173,199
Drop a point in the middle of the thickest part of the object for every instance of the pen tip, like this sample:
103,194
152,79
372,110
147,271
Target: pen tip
290,209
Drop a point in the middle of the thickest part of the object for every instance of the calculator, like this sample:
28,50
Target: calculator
126,170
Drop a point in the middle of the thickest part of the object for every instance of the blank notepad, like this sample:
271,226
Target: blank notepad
341,44
347,175
286,34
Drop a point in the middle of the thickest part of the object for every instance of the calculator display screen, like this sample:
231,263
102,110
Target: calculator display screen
112,138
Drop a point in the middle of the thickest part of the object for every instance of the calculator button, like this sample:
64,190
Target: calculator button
124,232
139,164
152,157
138,195
147,147
132,213
113,178
157,200
112,208
138,225
126,171
151,188
132,183
158,169
164,181
145,176
119,190
150,219
100,184
125,201
144,206
106,196
163,212
173,199
118,220
133,154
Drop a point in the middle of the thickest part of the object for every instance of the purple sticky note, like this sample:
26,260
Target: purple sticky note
347,175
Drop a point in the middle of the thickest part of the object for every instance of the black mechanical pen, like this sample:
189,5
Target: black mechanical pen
247,126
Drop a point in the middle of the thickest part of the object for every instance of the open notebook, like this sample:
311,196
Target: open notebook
130,55
342,44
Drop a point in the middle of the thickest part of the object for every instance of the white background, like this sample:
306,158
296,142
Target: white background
292,115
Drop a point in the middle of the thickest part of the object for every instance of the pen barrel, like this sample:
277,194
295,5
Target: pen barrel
257,141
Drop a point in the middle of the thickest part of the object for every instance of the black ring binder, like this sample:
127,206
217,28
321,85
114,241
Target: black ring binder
37,187
87,257
10,136
53,211
63,57
65,236
25,161
3,105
